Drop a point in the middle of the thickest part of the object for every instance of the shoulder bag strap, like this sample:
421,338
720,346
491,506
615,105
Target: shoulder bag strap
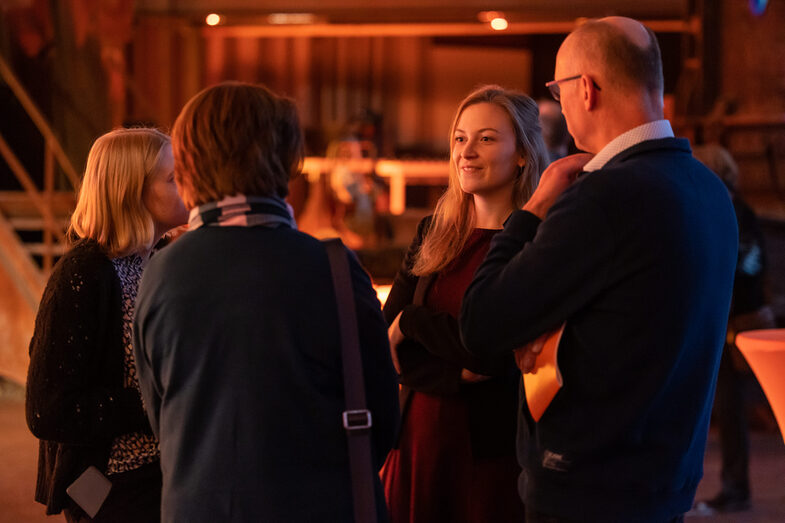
356,417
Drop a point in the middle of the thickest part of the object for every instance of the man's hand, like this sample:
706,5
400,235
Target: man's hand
554,180
396,336
526,356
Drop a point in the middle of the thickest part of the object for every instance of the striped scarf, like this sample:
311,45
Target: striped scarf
243,211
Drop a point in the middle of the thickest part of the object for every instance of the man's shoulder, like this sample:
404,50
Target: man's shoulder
660,149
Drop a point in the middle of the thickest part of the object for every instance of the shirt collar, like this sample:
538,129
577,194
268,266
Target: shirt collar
648,131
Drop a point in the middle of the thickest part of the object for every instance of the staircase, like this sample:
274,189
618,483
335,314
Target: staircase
33,222
29,246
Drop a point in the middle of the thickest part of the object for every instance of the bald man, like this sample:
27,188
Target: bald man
633,248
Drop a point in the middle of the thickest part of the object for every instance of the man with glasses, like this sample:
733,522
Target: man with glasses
632,248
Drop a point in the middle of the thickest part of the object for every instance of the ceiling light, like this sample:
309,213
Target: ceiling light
499,24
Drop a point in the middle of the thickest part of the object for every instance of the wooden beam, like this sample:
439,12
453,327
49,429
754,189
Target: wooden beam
433,29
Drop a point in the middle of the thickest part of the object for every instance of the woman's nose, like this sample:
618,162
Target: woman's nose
468,150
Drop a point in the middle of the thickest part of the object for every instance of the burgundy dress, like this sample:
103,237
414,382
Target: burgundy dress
435,475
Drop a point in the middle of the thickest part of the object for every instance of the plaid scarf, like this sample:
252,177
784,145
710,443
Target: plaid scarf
243,211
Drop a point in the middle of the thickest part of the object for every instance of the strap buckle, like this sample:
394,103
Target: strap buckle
357,419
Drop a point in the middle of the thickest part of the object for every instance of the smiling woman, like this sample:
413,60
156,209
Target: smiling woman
459,413
486,158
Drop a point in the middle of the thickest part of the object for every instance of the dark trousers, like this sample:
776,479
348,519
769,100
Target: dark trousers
730,414
135,498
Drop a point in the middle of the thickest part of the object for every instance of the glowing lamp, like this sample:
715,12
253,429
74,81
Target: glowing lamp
499,24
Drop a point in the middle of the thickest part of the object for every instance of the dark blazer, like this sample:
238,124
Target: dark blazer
76,401
638,258
432,358
239,361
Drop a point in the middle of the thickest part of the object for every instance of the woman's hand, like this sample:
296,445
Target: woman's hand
396,336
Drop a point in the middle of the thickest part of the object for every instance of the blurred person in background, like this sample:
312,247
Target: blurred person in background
748,311
554,129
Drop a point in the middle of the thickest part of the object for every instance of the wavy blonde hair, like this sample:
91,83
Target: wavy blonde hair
454,216
109,208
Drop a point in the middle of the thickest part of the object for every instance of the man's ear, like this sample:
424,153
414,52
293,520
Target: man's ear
589,93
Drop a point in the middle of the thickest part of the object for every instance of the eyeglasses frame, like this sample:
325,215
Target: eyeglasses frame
555,90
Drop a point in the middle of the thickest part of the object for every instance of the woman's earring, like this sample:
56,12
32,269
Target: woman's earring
520,169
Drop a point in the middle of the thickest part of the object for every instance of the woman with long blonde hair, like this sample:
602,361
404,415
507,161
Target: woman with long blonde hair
83,399
455,458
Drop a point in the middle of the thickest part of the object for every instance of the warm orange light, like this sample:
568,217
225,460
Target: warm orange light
292,18
486,16
499,24
382,291
212,19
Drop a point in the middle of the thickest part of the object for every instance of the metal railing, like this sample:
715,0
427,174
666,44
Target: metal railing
52,229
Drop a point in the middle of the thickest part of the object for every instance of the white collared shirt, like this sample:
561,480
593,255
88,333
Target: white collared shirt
648,131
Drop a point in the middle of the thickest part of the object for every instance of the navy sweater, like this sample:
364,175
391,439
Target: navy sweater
638,258
239,361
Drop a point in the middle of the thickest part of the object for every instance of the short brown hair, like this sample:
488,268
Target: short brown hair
110,209
624,62
236,138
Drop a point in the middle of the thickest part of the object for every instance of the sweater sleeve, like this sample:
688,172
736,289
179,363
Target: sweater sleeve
67,399
421,369
536,276
438,333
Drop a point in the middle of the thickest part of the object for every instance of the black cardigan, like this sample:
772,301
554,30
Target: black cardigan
432,356
76,401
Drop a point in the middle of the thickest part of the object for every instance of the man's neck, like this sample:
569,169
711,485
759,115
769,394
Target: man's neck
624,115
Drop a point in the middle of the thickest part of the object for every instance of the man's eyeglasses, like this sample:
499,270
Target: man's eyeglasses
553,86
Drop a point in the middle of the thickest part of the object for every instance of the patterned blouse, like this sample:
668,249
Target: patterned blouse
130,451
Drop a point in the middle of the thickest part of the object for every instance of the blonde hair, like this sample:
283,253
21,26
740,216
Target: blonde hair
453,218
109,209
236,138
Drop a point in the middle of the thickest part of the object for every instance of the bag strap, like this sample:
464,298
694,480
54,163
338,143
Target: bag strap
356,418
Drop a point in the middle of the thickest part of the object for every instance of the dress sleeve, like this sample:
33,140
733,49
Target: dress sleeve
67,400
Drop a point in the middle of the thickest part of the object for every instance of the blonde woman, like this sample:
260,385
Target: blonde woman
455,459
83,400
